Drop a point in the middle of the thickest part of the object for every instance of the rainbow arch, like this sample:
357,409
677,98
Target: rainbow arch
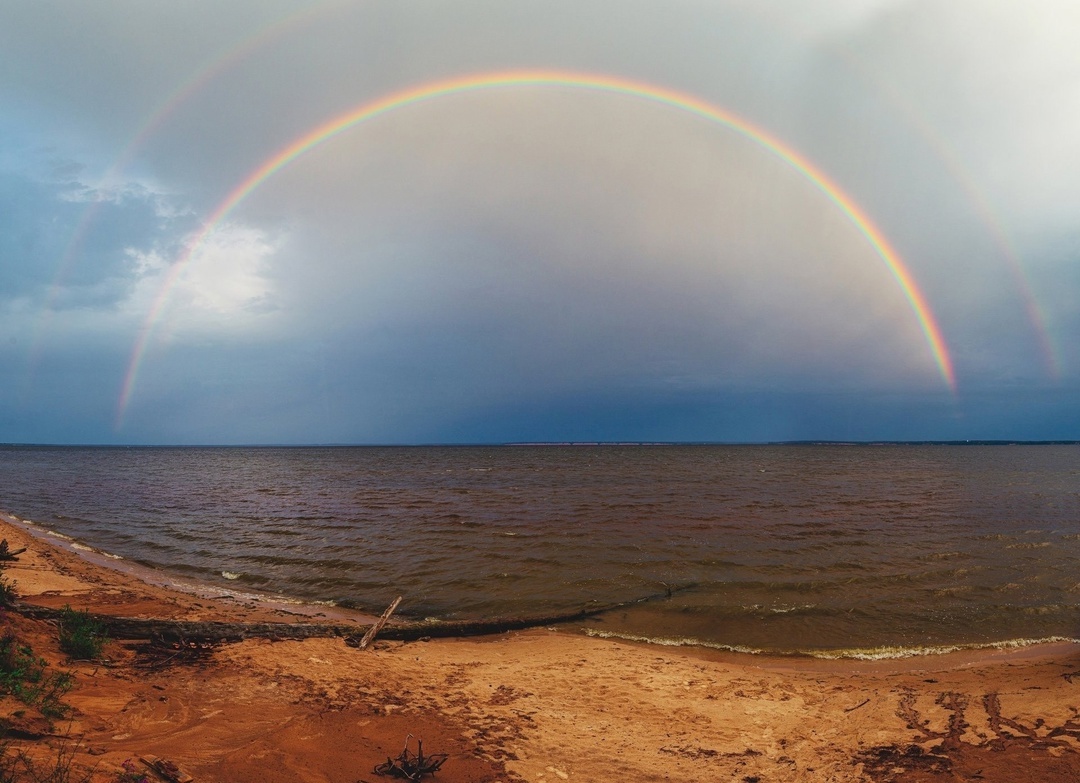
544,78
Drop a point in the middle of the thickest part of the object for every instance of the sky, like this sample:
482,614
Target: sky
357,221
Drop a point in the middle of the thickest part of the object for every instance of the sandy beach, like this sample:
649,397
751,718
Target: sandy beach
537,705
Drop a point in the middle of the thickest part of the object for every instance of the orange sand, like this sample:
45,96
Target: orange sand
541,705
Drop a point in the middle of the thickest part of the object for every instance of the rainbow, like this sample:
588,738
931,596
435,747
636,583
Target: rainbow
544,78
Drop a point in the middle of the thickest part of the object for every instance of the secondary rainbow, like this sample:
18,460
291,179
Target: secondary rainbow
981,207
543,78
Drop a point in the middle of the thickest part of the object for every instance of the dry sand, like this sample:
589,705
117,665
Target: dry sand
540,705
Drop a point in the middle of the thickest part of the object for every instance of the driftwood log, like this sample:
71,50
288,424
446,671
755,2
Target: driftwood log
132,628
144,628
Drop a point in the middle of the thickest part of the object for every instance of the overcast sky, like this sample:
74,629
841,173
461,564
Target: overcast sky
537,262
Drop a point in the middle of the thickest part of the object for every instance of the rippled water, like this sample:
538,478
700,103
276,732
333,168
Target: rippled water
776,548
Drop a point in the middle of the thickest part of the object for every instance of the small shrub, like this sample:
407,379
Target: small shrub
23,675
7,554
7,593
12,653
47,693
9,761
19,667
81,636
18,765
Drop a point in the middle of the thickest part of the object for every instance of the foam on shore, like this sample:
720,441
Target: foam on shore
883,653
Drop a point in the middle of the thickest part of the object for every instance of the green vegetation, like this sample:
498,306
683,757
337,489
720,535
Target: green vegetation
23,675
81,636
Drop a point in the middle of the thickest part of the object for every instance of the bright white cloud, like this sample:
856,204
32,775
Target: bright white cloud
222,290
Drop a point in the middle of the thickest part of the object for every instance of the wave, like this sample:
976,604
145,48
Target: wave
83,548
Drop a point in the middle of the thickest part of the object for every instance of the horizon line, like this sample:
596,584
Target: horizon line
563,443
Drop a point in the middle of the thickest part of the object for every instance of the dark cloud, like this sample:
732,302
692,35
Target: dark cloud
53,253
533,264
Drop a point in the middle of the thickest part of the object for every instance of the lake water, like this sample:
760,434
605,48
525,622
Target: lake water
827,550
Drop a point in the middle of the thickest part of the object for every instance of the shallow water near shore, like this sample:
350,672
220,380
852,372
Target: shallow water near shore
864,551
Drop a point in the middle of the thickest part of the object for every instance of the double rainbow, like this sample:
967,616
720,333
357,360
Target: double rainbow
539,78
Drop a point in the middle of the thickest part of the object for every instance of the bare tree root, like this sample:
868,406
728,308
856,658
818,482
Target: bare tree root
412,766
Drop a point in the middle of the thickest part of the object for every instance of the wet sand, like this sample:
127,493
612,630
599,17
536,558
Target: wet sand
537,705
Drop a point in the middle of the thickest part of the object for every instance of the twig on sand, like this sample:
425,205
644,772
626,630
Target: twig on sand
369,637
862,703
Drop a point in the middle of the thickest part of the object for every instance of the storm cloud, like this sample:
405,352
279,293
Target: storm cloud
539,262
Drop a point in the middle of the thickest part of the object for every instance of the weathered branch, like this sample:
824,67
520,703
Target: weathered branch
369,637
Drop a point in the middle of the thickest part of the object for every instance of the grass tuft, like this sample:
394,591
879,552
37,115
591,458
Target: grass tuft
81,636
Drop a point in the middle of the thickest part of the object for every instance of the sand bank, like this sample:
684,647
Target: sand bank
538,705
